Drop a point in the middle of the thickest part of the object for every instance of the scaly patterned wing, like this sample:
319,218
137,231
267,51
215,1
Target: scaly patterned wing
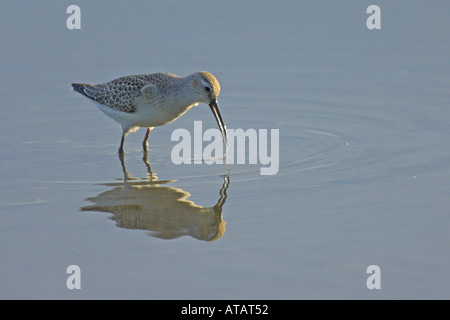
120,94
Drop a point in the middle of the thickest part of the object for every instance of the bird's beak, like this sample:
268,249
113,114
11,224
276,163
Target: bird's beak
215,109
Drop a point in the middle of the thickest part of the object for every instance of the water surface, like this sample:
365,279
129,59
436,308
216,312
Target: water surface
363,118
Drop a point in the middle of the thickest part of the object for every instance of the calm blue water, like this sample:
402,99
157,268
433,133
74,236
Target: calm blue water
364,164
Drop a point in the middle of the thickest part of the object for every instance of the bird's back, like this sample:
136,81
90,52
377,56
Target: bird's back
120,94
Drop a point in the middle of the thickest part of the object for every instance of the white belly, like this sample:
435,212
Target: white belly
143,117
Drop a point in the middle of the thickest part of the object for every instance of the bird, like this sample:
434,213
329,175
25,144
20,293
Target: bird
153,100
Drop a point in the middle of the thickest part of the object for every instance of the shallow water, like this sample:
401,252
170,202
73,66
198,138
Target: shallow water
363,179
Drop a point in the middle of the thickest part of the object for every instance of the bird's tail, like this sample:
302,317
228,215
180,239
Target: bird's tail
87,90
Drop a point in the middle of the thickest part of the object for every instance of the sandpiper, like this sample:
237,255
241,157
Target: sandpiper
152,100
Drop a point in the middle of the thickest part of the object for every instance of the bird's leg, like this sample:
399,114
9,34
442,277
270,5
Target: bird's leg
145,142
121,145
124,169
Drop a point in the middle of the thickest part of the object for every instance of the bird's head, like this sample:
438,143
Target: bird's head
208,89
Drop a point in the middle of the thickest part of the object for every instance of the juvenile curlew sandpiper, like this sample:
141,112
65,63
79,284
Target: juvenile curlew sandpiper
152,100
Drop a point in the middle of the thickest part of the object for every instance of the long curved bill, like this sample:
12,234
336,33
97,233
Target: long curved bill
223,129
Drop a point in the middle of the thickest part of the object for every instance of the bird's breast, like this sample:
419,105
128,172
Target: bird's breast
158,114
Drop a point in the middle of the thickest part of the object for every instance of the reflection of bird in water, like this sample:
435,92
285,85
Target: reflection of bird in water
148,205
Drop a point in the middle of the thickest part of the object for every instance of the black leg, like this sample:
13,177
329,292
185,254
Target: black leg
121,145
145,142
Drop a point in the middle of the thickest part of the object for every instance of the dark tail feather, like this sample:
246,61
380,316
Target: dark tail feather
78,87
87,90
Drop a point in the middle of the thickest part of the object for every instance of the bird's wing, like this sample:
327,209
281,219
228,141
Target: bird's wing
149,91
156,88
119,94
122,93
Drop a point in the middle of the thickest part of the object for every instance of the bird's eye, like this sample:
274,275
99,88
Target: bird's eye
208,89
